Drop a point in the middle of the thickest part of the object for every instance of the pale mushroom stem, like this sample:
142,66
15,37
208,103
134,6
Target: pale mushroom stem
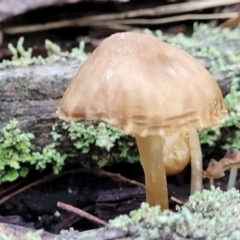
232,178
196,161
151,156
211,180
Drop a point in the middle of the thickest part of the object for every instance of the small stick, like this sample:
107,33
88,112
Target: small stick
185,17
117,176
64,23
177,200
163,10
47,178
231,23
4,191
51,177
81,213
119,24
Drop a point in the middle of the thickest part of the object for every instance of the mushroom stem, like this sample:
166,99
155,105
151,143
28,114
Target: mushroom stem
151,156
211,180
232,177
196,161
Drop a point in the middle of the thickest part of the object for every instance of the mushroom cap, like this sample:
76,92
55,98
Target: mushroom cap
143,86
214,170
231,159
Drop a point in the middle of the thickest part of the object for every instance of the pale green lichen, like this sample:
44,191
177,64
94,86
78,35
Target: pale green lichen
107,144
18,157
208,215
31,235
22,57
216,202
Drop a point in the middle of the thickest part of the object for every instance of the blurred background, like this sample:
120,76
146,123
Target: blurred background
67,22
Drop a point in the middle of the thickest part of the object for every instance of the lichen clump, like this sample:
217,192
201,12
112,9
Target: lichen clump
208,215
36,235
18,156
106,143
22,57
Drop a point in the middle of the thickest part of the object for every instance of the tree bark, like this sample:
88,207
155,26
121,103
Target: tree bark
99,234
32,94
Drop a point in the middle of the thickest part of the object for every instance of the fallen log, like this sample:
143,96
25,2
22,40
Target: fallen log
32,94
18,232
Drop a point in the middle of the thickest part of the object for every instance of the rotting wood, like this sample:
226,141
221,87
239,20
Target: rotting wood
95,234
32,95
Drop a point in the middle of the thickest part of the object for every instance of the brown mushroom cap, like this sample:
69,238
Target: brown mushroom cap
144,86
231,158
214,170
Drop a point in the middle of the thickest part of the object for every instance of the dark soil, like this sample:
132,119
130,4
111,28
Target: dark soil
101,196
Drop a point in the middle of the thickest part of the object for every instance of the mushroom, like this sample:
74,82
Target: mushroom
213,171
231,160
176,153
151,90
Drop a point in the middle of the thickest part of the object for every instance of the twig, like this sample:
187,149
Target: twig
118,176
47,178
69,220
176,18
115,24
164,10
4,191
40,181
81,213
177,200
62,24
232,22
51,177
